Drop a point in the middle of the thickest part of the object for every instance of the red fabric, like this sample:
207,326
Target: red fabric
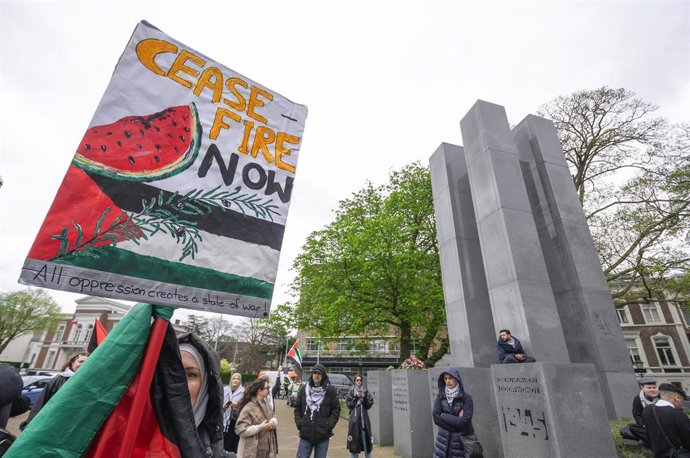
132,429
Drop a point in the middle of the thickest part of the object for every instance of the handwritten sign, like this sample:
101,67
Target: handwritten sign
179,191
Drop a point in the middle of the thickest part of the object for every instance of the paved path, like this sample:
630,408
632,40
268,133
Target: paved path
287,435
288,438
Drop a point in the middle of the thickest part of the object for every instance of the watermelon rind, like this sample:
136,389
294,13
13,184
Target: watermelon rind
180,165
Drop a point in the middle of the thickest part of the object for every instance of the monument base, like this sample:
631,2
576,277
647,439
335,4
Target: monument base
381,413
551,410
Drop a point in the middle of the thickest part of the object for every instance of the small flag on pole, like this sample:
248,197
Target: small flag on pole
296,353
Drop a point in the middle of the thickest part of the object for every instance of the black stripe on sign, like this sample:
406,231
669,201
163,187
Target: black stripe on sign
128,195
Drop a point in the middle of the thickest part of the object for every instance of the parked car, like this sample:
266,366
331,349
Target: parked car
341,382
33,389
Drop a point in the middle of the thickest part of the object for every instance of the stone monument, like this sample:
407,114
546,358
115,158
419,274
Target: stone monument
516,253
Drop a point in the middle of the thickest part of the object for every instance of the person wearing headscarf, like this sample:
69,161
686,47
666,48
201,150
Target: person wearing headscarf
257,425
52,387
202,369
232,396
358,401
452,413
317,410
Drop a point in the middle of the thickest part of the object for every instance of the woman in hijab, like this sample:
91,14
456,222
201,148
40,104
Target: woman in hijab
232,396
68,370
359,438
452,413
257,424
202,369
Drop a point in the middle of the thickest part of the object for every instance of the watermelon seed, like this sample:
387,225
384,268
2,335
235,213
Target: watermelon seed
174,122
102,147
139,145
170,135
158,147
182,137
119,143
177,150
157,159
131,160
186,129
158,129
87,147
142,132
128,134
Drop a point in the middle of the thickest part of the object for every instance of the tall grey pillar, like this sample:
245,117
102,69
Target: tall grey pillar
518,283
468,311
582,296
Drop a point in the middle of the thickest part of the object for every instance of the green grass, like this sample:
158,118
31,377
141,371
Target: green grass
627,451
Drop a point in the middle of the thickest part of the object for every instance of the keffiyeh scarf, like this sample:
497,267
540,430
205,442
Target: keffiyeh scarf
315,396
452,393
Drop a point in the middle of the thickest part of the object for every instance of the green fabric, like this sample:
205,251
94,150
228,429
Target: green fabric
123,262
68,423
163,311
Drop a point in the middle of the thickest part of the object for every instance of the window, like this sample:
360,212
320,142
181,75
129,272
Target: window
59,332
313,345
622,315
633,351
664,351
344,345
87,336
51,360
77,334
379,346
651,313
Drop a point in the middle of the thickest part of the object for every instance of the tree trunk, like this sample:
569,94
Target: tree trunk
405,340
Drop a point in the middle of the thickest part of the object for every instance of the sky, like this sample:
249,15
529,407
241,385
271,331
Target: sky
385,83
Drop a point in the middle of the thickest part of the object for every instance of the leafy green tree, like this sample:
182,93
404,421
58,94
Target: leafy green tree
376,267
25,311
631,171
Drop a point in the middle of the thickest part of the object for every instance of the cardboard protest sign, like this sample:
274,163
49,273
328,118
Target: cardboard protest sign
179,191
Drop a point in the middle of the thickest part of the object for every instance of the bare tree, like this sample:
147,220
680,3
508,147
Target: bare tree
630,170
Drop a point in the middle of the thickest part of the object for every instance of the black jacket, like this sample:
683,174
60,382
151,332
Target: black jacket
318,426
446,416
675,424
48,392
359,422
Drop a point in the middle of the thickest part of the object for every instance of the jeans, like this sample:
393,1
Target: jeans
305,447
510,359
356,455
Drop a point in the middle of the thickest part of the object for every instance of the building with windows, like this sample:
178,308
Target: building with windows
50,350
658,340
350,354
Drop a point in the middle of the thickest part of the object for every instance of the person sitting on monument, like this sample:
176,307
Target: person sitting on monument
510,349
649,394
667,425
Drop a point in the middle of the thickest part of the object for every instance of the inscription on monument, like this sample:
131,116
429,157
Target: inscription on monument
401,397
524,421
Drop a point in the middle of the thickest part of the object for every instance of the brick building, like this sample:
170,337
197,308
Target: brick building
657,337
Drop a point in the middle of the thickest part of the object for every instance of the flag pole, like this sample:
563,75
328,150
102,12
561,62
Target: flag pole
287,342
145,376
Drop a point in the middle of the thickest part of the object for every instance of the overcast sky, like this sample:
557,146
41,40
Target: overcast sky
385,82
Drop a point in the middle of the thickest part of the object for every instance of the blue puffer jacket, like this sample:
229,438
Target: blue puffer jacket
447,417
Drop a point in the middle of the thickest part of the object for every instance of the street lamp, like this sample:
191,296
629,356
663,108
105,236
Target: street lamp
638,367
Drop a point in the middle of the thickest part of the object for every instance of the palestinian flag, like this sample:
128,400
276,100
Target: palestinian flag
171,196
97,336
296,353
109,407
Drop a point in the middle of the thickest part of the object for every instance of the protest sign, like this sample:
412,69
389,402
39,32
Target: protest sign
179,191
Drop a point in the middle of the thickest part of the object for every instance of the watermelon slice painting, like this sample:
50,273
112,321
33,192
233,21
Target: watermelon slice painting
142,148
178,192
